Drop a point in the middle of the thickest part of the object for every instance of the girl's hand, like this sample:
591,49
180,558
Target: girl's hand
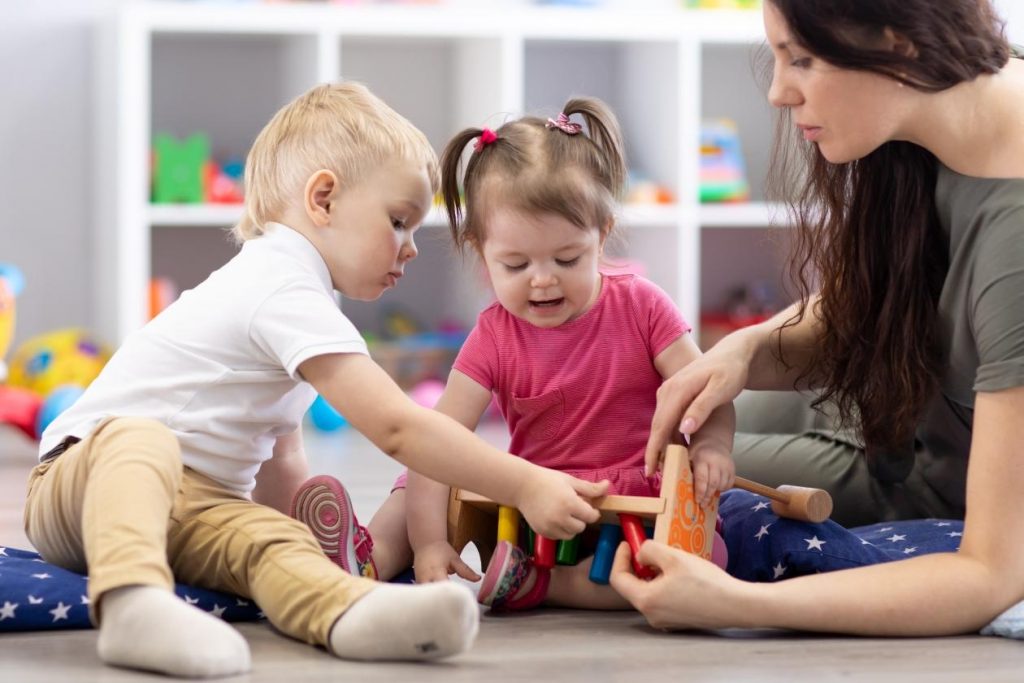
713,470
556,505
437,561
688,592
687,398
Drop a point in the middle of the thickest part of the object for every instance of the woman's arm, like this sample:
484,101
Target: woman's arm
744,359
939,594
710,447
427,500
280,477
441,448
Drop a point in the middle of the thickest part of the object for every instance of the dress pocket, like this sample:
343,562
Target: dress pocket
539,417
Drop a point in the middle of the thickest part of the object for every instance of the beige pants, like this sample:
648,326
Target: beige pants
121,505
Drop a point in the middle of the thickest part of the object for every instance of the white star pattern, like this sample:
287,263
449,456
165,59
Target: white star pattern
896,537
60,612
814,543
3,551
761,506
191,601
778,570
943,524
7,611
954,534
763,532
884,529
908,551
42,596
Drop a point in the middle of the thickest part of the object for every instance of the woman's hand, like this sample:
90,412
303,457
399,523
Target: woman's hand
688,592
557,505
687,398
437,561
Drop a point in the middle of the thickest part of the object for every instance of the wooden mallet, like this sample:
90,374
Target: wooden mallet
794,502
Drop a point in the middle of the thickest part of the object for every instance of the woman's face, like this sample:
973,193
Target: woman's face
847,113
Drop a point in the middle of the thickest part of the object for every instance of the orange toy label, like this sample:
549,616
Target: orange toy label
692,527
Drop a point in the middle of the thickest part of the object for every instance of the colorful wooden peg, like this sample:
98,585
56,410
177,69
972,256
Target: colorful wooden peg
604,553
508,525
633,530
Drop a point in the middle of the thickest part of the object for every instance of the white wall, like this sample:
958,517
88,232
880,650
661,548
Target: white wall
46,168
46,173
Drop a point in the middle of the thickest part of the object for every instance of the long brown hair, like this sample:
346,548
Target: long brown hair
867,230
537,168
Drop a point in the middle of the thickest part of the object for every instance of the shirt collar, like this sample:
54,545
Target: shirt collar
282,238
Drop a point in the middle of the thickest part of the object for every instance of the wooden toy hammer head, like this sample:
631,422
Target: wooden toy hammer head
806,504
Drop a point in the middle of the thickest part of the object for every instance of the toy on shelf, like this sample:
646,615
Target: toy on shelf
223,186
723,175
641,190
723,4
745,305
179,168
162,293
412,355
678,520
184,172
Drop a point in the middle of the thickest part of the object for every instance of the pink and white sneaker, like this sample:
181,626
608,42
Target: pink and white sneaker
323,505
503,587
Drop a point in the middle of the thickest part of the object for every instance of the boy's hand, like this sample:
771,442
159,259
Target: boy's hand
713,470
437,560
556,505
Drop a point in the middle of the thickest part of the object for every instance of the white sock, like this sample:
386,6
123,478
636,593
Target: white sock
407,622
145,627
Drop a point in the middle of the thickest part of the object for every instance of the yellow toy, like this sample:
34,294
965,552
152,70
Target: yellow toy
6,321
47,361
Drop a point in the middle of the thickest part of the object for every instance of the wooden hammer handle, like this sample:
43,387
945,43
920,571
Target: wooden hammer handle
761,489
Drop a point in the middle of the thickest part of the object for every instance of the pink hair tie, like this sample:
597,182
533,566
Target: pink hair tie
563,124
487,136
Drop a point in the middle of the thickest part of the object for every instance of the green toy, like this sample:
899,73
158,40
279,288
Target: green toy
178,171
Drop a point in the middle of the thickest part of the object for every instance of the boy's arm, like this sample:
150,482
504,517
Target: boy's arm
464,400
280,477
441,448
711,446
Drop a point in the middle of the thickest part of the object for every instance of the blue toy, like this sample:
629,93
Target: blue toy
325,417
56,402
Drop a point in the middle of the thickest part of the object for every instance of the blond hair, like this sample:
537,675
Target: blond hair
341,127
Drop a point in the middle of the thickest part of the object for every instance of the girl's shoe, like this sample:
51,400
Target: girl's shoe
323,505
504,584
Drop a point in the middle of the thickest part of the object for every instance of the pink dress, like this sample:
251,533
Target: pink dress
579,397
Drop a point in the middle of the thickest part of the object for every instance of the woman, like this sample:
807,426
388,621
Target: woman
912,211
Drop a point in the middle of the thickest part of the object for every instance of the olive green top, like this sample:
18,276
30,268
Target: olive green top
981,314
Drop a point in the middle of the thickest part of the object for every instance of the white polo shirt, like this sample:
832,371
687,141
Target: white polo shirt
220,365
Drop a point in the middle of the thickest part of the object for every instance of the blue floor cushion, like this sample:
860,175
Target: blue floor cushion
36,595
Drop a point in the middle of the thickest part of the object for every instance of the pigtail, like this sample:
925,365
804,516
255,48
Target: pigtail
451,159
605,133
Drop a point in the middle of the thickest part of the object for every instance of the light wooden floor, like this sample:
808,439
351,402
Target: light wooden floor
556,645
